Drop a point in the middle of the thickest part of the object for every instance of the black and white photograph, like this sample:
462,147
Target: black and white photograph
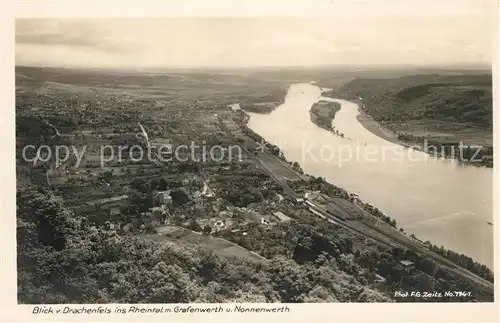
216,160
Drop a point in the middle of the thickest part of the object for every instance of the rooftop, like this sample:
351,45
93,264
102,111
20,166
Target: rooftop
281,216
406,262
108,200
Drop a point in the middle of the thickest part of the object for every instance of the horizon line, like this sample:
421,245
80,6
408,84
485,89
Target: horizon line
455,66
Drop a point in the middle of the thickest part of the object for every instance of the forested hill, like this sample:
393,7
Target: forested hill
452,98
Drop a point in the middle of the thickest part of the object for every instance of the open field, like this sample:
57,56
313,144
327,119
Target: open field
354,212
278,167
220,246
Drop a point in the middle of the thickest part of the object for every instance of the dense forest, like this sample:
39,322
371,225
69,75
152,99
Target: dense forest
63,258
455,98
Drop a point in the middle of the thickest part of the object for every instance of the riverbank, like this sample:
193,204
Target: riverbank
261,107
380,131
430,209
375,128
367,121
385,225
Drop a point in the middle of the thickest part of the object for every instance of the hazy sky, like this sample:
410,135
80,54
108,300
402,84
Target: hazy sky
419,35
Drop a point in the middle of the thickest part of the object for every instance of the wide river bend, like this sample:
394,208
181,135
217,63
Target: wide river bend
436,199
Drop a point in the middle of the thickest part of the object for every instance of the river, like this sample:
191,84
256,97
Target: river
434,198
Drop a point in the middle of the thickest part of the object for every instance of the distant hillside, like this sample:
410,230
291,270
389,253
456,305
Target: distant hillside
448,98
230,88
442,110
70,98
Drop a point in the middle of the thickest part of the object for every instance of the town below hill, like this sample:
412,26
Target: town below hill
200,227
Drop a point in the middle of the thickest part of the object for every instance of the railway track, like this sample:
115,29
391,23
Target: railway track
375,234
382,237
287,190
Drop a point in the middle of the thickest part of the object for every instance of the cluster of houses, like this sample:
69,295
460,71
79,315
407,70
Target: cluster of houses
226,218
